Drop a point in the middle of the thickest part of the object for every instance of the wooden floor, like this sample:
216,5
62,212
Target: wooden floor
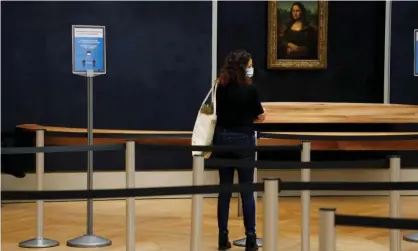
164,224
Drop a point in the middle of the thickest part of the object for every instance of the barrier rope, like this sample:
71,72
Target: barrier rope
376,222
204,189
128,192
116,147
60,149
218,162
293,165
349,186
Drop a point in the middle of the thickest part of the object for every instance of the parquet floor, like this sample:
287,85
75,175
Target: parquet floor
164,224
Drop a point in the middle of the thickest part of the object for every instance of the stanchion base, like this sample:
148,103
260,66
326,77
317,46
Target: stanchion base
411,237
88,241
241,242
39,243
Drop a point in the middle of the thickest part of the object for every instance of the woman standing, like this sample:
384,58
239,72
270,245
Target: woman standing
238,106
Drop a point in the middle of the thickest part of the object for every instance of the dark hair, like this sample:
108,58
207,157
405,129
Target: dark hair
234,68
302,8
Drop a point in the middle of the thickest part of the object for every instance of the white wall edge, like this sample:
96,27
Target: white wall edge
111,180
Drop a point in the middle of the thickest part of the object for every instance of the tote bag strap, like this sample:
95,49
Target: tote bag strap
206,98
214,88
213,92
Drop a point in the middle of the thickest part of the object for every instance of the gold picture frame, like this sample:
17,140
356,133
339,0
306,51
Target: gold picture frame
315,35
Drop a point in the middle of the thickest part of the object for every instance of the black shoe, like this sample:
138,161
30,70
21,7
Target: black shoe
223,240
251,242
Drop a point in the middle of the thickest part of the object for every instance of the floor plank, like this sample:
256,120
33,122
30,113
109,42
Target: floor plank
164,224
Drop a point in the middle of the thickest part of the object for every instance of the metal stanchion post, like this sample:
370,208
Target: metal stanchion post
397,166
89,239
241,242
327,240
394,197
270,213
197,204
39,241
130,202
306,197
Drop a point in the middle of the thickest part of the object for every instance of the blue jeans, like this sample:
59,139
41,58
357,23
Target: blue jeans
226,176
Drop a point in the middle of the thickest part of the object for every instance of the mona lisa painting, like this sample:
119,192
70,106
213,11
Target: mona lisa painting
297,34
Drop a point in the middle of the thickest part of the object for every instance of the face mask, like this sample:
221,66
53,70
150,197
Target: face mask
250,72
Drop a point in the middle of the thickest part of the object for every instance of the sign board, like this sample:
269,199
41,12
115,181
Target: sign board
89,49
416,52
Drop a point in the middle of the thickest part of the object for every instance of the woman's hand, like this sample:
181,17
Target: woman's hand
292,46
262,116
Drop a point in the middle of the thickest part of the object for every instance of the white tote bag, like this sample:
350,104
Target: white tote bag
204,127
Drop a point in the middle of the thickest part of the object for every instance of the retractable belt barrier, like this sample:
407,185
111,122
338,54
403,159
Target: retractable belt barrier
117,147
328,220
271,187
51,195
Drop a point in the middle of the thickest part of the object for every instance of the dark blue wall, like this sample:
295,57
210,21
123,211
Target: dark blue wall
404,86
159,65
355,53
157,54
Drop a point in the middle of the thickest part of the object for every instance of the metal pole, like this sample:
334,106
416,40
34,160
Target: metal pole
90,153
39,241
90,239
130,202
197,204
394,197
214,42
270,213
306,197
241,242
395,164
413,237
388,28
327,240
259,240
40,169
